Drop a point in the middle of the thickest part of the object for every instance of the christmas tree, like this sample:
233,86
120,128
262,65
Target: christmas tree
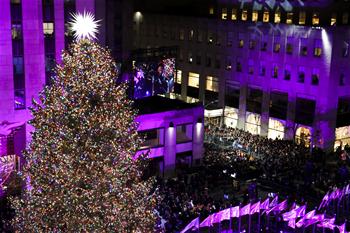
83,177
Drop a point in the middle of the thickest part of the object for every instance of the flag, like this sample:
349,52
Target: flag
207,222
314,219
347,189
282,206
216,218
234,212
291,223
194,224
333,195
327,223
304,219
244,210
274,202
341,228
324,200
295,213
255,208
300,211
265,204
225,214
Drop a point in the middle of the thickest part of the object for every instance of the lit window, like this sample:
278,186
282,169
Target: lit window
182,34
193,79
191,34
244,15
224,13
289,46
211,10
48,28
212,84
302,17
277,17
240,40
289,19
178,76
234,14
318,48
250,67
228,63
345,19
315,19
275,71
266,16
277,44
334,19
255,15
16,31
303,46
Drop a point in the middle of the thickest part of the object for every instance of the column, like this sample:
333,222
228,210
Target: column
242,106
290,129
6,63
265,113
169,149
197,142
59,29
184,83
34,57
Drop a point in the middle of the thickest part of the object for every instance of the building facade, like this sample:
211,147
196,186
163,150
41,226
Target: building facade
278,70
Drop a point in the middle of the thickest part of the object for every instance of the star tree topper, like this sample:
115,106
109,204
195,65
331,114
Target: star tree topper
84,26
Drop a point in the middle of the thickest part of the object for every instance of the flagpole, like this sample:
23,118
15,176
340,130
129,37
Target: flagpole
313,228
230,218
239,219
259,221
249,222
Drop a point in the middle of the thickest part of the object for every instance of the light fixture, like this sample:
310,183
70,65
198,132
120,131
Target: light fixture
171,125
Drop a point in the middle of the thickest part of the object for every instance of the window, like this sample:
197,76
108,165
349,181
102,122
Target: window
181,55
234,14
255,16
238,65
266,16
289,47
190,57
193,79
217,37
240,40
184,133
275,71
287,72
20,99
229,39
244,15
315,19
345,18
210,38
16,31
289,19
342,79
301,75
212,84
182,34
277,16
262,69
345,51
217,62
318,48
48,28
199,36
302,17
224,13
211,10
198,58
250,66
303,46
315,76
178,76
18,66
264,43
208,60
252,43
228,63
190,35
333,19
277,44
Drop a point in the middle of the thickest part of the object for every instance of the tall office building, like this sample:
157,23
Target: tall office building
33,34
274,68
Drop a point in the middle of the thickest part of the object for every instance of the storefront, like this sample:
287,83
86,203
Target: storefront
253,123
342,137
276,129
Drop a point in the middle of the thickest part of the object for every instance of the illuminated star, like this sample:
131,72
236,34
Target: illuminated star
84,26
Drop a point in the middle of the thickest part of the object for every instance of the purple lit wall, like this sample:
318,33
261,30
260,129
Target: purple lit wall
59,29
